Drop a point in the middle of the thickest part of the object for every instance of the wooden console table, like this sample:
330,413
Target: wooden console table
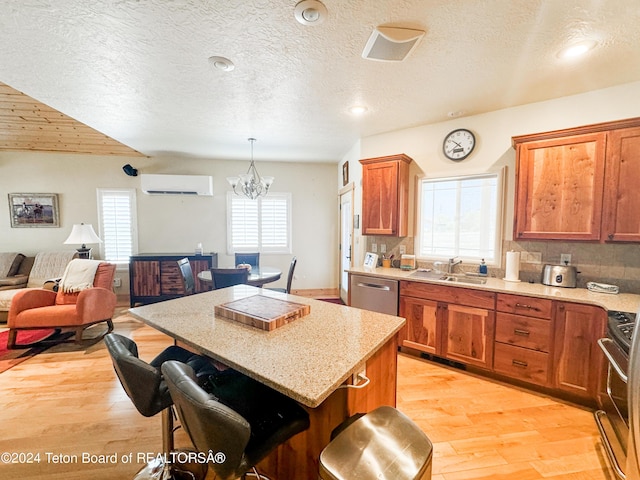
154,277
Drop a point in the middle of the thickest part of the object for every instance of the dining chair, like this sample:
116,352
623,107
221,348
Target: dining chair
252,259
227,277
292,267
187,276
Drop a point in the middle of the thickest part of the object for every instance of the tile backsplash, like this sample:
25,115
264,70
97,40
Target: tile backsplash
617,264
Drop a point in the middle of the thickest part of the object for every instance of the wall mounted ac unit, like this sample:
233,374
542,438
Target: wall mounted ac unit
153,184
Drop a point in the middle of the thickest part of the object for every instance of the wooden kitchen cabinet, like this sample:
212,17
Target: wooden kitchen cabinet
421,331
385,195
156,277
468,334
577,359
523,338
449,322
621,223
559,188
578,183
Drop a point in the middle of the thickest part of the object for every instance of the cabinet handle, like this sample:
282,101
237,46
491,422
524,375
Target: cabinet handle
524,305
519,363
522,333
610,236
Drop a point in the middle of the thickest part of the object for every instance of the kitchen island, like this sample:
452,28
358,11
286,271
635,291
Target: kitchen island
310,359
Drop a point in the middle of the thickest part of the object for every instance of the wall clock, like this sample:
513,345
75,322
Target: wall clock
459,144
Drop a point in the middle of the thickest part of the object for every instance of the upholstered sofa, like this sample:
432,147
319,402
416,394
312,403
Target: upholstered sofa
31,272
14,270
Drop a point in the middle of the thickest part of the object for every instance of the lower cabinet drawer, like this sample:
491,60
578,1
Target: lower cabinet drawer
521,363
525,332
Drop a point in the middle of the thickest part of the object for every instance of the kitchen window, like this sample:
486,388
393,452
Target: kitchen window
117,217
460,217
260,225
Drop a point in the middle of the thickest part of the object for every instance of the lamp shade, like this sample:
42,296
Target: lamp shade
82,234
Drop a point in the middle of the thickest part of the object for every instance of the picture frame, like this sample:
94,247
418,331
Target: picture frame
370,260
34,210
345,173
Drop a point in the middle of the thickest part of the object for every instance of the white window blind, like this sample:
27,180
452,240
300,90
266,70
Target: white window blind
117,224
460,217
261,225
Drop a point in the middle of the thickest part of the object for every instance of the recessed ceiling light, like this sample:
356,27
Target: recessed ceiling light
358,110
221,63
310,12
577,49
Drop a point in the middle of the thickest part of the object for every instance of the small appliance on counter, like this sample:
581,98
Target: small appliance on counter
407,262
560,276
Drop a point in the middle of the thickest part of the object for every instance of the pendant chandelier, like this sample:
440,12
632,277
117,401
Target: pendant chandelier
250,184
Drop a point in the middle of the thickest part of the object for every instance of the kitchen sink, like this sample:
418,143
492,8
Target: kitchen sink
429,275
446,277
465,279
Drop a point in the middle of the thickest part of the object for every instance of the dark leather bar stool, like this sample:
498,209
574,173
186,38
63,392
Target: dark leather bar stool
383,444
145,386
240,417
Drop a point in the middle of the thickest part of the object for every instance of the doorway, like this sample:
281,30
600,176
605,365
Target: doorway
346,239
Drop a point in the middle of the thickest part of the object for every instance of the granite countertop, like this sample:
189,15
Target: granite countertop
626,302
306,359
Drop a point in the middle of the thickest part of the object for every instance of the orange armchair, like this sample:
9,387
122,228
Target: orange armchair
40,308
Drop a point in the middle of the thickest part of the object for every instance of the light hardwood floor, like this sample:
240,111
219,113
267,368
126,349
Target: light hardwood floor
68,401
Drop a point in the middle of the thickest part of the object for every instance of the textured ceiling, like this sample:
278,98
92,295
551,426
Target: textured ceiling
137,70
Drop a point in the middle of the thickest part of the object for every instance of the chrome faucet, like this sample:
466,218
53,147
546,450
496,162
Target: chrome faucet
452,263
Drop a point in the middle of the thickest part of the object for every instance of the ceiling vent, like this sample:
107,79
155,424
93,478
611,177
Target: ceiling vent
176,184
391,44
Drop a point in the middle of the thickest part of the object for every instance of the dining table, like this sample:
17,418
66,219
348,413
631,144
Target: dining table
257,276
334,360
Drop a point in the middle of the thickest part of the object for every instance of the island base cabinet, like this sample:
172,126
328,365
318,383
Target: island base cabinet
298,457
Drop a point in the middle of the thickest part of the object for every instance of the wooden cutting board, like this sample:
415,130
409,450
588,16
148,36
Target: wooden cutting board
263,312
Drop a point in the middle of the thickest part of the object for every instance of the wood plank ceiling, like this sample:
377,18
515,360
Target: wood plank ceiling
28,125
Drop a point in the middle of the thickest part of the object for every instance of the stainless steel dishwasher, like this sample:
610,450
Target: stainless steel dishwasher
376,294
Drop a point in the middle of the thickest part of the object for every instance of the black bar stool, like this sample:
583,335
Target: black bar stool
145,386
241,418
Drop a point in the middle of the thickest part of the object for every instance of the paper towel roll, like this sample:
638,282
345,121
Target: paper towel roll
512,272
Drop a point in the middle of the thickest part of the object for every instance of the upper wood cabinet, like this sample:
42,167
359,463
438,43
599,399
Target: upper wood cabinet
621,221
576,184
385,195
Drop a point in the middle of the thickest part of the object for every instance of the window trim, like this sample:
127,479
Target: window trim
100,192
260,248
500,210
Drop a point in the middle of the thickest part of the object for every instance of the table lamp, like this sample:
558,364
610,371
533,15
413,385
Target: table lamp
82,234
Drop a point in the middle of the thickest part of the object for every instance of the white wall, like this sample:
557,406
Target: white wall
493,136
168,224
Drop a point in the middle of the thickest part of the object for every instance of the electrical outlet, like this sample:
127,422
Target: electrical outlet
374,248
117,282
565,259
383,248
403,249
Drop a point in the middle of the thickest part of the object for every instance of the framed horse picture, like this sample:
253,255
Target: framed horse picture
33,210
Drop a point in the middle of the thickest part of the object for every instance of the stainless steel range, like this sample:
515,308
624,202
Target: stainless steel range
613,420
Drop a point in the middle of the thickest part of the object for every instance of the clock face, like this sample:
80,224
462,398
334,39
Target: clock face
459,144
